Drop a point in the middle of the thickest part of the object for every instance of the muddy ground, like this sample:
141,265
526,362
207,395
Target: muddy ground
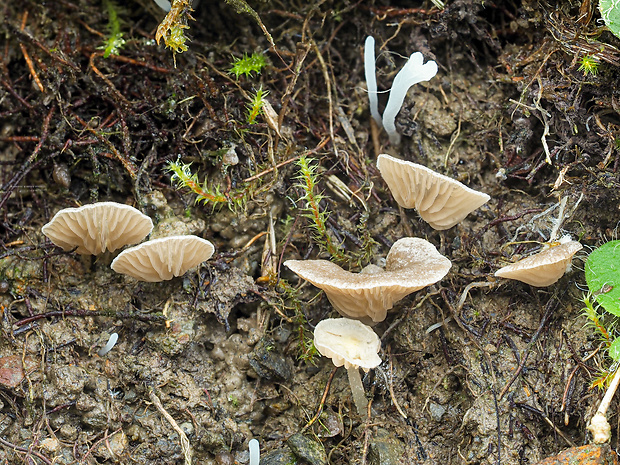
224,353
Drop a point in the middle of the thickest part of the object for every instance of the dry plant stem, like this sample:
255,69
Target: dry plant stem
357,388
322,403
328,90
599,426
185,446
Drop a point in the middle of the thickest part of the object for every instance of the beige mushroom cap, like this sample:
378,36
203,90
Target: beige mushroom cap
411,264
164,258
347,342
543,268
96,227
440,200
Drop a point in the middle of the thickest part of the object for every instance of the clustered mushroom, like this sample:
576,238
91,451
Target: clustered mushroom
93,229
365,297
412,263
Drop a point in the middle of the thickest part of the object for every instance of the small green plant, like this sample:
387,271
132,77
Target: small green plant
589,65
115,41
248,65
311,208
172,28
182,177
255,107
305,343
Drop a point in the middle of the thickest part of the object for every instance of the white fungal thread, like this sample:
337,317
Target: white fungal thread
108,347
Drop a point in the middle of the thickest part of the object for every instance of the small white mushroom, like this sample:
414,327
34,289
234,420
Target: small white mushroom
543,268
440,200
164,258
411,264
352,344
96,227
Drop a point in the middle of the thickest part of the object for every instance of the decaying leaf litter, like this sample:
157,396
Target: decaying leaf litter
207,361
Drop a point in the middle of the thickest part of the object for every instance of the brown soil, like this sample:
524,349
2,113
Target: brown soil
222,354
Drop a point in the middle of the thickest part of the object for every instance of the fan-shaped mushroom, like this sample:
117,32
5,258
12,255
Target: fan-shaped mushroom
96,227
411,264
543,268
441,201
353,344
164,258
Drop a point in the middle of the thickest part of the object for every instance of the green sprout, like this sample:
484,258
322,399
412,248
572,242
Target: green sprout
182,177
291,300
589,65
311,209
115,41
256,104
248,64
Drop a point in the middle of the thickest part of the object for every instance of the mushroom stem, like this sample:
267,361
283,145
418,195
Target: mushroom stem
357,388
599,426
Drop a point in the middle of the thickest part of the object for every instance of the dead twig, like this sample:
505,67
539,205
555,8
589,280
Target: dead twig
25,451
322,403
185,445
29,62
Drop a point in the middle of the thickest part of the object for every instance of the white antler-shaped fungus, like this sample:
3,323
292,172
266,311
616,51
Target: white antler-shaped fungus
414,71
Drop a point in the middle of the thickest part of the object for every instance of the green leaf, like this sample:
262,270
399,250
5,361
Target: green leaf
610,11
614,349
603,276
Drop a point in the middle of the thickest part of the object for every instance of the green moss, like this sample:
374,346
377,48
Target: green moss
248,65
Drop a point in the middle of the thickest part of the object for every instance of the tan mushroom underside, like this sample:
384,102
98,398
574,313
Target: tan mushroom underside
96,227
411,264
543,268
164,258
347,342
441,201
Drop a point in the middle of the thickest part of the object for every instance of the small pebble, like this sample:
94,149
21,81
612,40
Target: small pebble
224,457
61,175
